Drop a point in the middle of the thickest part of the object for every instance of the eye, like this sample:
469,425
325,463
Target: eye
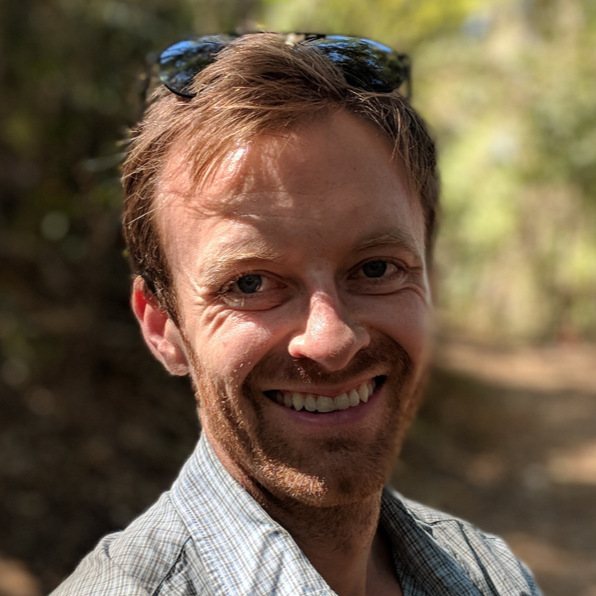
254,291
374,268
380,276
249,284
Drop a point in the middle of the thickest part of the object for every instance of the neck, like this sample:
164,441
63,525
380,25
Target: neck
344,543
338,541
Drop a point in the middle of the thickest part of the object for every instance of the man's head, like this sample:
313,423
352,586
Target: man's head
262,85
284,220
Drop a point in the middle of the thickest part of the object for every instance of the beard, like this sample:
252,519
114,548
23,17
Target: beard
274,464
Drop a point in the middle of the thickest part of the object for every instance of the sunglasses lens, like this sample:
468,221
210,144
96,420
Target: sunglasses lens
179,64
366,64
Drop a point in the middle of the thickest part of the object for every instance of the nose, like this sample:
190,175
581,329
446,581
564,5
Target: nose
328,337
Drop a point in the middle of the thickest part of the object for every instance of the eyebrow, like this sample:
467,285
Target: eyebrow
231,257
395,236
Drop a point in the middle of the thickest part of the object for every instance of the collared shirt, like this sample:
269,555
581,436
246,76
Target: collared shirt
208,536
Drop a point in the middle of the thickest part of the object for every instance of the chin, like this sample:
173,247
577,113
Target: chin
336,472
328,488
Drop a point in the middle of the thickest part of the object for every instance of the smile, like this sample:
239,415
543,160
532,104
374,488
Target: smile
323,404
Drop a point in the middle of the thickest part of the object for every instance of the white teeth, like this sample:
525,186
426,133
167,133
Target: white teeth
369,389
322,403
310,403
297,401
325,404
342,402
363,391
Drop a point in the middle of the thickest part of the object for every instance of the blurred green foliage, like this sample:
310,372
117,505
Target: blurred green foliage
508,88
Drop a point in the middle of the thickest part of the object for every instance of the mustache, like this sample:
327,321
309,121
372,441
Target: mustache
383,355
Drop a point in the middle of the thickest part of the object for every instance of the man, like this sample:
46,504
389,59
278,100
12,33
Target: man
279,210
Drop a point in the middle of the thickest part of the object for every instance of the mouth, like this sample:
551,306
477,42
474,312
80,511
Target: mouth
323,404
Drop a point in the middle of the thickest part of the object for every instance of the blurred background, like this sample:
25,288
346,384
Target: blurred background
92,430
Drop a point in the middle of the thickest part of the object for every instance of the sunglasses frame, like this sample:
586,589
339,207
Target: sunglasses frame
366,64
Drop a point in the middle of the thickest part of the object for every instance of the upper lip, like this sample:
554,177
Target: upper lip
326,391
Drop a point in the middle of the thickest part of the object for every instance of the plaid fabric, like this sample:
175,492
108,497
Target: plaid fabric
207,536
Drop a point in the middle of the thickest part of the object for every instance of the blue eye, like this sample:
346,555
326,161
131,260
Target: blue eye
374,268
249,284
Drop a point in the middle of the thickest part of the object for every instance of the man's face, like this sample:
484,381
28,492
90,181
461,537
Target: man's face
301,285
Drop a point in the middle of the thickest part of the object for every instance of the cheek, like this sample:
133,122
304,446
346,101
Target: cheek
406,319
231,348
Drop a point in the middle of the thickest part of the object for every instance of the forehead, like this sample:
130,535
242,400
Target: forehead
322,172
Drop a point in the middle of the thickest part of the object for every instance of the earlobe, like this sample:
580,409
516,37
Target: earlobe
159,331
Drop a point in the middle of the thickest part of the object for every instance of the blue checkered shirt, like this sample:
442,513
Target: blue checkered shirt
208,536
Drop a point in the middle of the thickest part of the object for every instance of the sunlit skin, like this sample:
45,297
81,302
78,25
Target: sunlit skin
300,267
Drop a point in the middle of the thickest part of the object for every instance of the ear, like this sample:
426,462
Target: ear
161,334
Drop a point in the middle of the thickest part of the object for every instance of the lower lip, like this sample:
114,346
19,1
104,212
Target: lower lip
338,417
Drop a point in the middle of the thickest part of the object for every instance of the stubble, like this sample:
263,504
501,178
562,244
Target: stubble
334,471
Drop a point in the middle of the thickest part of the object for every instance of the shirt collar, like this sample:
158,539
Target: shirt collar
419,558
244,550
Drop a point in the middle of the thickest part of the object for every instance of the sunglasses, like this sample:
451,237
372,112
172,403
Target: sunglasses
366,64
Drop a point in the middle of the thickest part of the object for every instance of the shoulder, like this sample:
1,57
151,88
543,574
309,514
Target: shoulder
147,557
459,536
484,558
